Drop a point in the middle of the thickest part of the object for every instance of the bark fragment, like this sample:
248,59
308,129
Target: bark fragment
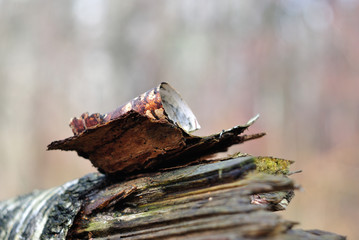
151,131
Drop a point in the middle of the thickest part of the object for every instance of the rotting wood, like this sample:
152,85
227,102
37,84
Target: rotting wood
134,142
149,132
205,201
212,200
195,199
160,182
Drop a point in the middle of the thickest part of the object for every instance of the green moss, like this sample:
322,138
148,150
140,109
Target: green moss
101,223
272,165
95,226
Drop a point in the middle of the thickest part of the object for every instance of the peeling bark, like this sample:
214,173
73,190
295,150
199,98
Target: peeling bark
134,143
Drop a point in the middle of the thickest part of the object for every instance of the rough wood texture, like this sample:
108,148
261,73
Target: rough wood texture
207,201
214,200
149,132
134,142
46,214
195,200
136,135
160,182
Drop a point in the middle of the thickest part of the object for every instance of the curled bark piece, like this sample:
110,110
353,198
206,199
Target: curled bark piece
150,130
135,142
161,102
124,144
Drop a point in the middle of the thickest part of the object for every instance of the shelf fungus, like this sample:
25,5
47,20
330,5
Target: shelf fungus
151,131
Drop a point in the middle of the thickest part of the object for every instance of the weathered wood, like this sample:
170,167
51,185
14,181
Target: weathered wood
214,200
46,214
149,132
161,182
133,143
197,200
127,139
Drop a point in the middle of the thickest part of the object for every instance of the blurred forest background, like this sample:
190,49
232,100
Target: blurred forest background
294,62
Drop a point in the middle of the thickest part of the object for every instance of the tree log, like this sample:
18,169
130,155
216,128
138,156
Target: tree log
229,199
